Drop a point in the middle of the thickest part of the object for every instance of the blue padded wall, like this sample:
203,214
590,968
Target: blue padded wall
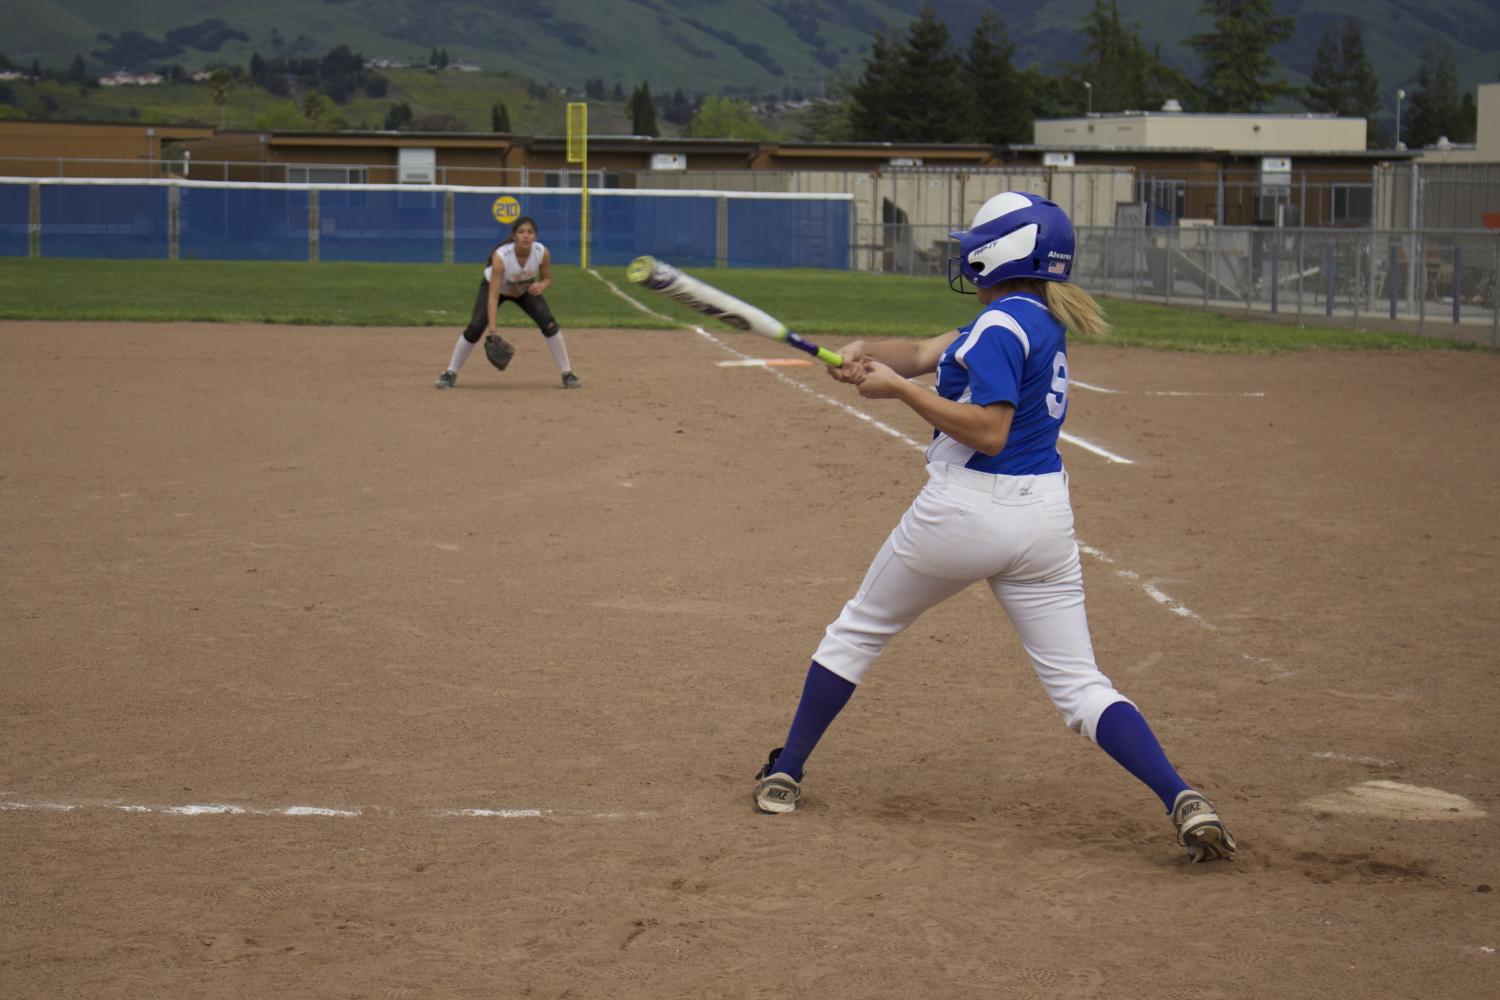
104,220
243,224
15,211
404,226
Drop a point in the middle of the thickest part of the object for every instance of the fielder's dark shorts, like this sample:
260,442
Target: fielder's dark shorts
535,306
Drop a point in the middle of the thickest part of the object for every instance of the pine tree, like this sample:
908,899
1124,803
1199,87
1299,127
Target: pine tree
912,89
828,120
1434,108
314,105
499,118
676,107
1342,81
1236,55
1114,64
642,111
1467,127
220,84
1051,96
1163,83
932,103
999,97
398,116
1122,75
871,99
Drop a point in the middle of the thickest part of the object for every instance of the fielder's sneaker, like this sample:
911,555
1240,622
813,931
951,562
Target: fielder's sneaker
446,380
776,791
1199,828
570,381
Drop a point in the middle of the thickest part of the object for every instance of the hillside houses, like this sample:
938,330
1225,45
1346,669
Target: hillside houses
124,78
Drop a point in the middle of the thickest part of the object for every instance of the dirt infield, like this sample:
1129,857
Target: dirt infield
320,683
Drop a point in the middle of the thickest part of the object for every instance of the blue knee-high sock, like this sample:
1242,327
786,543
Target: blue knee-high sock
1124,735
824,695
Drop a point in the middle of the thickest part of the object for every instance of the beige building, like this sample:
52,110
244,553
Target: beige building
1489,122
1457,186
1175,129
1174,167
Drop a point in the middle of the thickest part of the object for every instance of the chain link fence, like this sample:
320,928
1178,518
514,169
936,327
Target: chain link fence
1437,282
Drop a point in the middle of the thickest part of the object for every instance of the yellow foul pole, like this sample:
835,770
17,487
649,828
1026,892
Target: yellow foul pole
578,152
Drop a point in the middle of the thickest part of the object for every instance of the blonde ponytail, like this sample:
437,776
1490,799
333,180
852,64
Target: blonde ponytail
1075,309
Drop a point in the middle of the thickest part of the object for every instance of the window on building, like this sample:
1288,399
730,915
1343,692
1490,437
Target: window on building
327,175
1353,205
574,178
1273,207
1165,200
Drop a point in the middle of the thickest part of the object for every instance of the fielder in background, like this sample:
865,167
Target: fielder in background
524,269
995,507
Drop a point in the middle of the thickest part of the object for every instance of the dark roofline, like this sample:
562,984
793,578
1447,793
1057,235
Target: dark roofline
158,126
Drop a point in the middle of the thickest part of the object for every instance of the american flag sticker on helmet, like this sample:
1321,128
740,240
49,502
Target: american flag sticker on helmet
1057,267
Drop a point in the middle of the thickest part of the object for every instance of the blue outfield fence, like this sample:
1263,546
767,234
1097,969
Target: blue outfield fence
15,221
382,225
104,221
198,220
242,224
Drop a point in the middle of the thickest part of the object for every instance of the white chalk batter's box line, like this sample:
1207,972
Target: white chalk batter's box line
1377,798
9,803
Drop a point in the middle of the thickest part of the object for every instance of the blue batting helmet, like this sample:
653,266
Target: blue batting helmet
1014,235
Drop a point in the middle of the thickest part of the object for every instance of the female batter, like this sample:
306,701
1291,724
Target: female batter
995,507
525,272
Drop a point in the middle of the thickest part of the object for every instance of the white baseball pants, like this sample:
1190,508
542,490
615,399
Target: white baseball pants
1016,534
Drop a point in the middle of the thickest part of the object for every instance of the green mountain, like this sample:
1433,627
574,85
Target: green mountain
741,47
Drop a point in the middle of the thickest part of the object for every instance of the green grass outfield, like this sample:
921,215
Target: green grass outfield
833,304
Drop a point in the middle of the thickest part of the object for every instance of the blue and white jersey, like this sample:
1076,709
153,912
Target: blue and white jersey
1014,352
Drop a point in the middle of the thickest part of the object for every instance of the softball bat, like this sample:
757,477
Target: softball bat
662,277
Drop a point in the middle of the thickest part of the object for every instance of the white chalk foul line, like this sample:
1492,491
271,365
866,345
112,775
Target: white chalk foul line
8,803
1149,587
852,411
1079,442
1074,383
1151,590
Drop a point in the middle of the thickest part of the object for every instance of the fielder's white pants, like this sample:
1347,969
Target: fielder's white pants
1016,534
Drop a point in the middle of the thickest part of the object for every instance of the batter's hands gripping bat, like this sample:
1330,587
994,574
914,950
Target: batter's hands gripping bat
710,301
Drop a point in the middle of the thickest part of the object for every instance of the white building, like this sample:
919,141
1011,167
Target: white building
124,79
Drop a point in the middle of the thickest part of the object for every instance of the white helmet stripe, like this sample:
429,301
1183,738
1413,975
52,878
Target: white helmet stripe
1001,204
1016,245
